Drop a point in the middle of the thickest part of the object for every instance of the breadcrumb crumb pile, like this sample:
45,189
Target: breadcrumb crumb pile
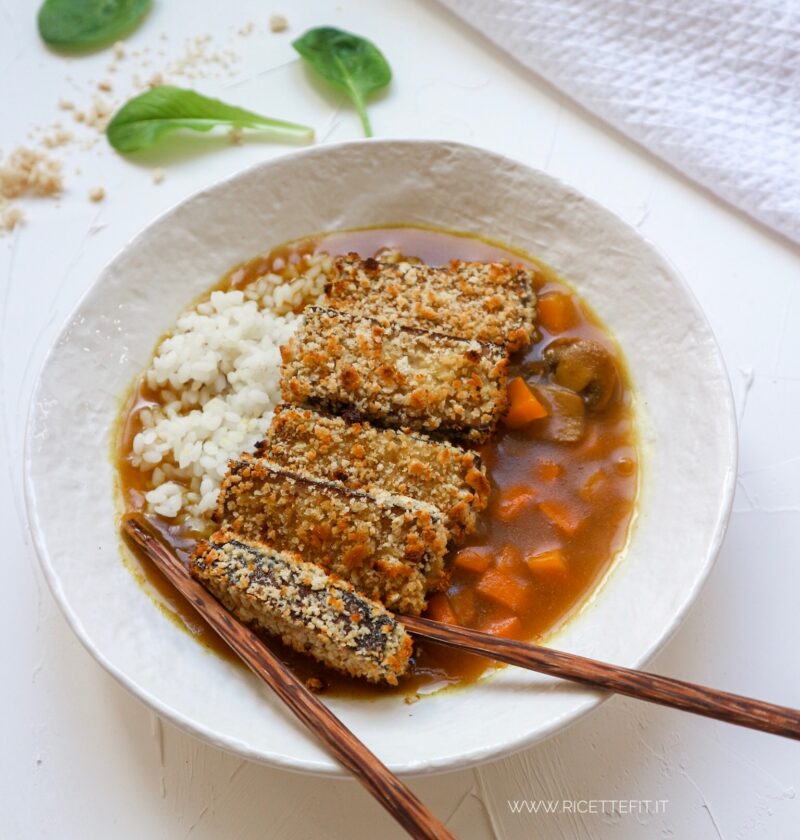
26,172
278,23
29,171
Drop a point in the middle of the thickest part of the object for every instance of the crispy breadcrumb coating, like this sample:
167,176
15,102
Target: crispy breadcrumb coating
492,302
364,457
310,610
395,376
389,547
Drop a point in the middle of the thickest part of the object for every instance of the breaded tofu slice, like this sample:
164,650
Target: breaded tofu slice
311,611
492,301
395,376
364,457
391,548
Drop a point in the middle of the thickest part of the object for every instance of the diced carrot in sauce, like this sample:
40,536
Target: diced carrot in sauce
564,517
548,470
439,609
592,442
472,560
504,589
513,502
547,562
463,605
592,485
508,628
523,406
509,559
556,312
510,579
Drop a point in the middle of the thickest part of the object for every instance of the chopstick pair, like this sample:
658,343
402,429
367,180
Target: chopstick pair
398,800
395,797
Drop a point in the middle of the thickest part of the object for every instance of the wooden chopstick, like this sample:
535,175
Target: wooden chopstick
395,797
690,697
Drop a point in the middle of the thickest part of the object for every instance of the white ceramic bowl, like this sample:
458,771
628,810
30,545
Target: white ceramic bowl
683,404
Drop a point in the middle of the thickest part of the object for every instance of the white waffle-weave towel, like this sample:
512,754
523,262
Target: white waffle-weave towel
712,86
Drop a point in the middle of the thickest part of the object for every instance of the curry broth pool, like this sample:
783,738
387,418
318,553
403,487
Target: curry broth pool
559,512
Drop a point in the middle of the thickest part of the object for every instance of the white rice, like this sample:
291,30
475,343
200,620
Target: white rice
218,380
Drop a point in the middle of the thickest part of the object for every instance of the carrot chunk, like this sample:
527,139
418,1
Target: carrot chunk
509,559
592,485
513,501
547,562
503,589
439,609
523,406
508,628
463,604
564,517
548,470
556,312
472,560
593,441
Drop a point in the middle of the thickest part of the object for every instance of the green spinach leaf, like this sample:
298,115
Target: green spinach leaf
87,24
348,62
146,118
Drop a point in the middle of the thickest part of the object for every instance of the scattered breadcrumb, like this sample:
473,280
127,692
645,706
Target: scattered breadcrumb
30,172
10,216
26,172
198,58
100,113
278,23
236,136
59,137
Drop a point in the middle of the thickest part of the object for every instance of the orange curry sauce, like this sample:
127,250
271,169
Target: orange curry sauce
559,512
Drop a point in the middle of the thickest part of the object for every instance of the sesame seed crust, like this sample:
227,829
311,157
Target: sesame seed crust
390,547
395,376
311,611
364,457
492,302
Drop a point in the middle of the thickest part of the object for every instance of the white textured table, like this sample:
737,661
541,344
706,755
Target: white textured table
83,759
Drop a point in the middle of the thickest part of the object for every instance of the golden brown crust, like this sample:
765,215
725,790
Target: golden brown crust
364,457
492,302
390,547
395,376
308,609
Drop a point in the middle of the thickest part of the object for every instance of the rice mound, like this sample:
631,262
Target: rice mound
218,379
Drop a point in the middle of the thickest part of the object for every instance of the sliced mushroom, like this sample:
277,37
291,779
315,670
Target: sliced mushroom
566,420
584,367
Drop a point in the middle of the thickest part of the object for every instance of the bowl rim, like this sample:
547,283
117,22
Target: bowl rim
463,760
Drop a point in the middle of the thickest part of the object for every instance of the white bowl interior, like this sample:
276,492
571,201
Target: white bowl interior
685,421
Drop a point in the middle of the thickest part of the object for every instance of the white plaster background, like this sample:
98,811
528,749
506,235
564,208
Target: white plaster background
80,758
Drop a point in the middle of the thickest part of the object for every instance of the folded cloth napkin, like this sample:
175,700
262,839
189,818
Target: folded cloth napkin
712,86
